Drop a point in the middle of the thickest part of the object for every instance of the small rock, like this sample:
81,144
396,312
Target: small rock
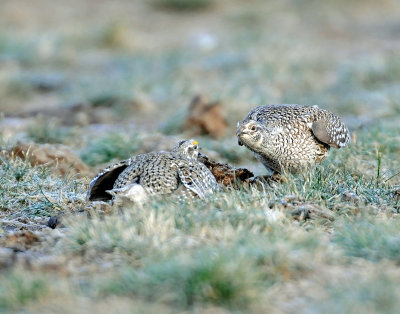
206,118
54,221
350,197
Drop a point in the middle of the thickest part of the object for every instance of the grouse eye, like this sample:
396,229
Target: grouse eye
195,146
253,128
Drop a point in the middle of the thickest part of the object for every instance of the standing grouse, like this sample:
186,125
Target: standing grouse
291,137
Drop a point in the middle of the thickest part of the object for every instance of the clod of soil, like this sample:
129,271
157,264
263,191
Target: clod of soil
20,241
225,173
206,118
58,157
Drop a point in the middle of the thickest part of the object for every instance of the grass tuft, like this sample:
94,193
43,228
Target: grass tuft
230,275
184,5
47,131
207,277
17,290
32,191
371,291
369,238
111,146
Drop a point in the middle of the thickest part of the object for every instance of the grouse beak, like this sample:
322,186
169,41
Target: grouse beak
239,133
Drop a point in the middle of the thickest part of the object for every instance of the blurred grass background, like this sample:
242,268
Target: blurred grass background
102,54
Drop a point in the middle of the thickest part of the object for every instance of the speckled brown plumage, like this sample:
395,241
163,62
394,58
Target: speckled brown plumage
177,172
291,137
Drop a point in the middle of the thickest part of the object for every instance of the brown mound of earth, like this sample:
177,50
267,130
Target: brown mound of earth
206,118
21,240
225,173
61,160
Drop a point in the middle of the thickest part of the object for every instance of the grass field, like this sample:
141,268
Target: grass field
105,80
